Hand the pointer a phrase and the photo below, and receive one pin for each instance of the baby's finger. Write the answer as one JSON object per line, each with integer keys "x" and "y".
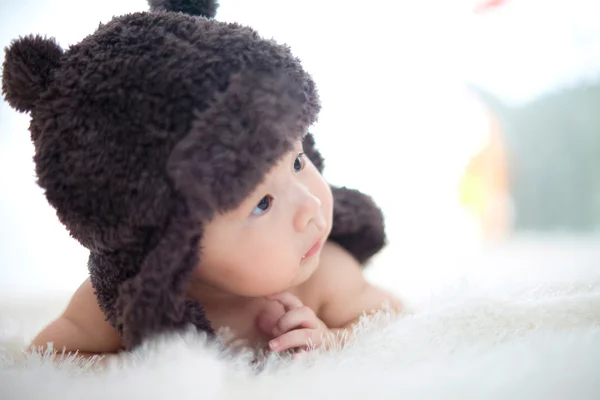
{"x": 239, "y": 345}
{"x": 303, "y": 317}
{"x": 265, "y": 321}
{"x": 298, "y": 356}
{"x": 288, "y": 300}
{"x": 297, "y": 338}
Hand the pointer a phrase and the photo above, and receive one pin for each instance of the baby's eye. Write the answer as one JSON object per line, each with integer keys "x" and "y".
{"x": 263, "y": 205}
{"x": 299, "y": 163}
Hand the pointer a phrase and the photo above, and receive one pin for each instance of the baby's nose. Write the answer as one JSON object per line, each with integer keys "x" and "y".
{"x": 309, "y": 210}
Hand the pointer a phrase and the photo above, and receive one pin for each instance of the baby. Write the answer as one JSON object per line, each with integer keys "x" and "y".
{"x": 268, "y": 272}
{"x": 176, "y": 149}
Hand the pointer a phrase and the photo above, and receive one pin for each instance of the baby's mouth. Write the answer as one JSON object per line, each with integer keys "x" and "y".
{"x": 313, "y": 250}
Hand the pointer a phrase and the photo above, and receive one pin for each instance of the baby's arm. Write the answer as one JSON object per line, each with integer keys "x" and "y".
{"x": 336, "y": 296}
{"x": 82, "y": 327}
{"x": 345, "y": 294}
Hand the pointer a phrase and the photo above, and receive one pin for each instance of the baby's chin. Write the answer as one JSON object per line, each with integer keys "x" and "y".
{"x": 307, "y": 268}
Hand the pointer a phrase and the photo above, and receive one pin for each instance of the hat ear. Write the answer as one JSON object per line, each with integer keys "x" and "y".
{"x": 201, "y": 8}
{"x": 26, "y": 71}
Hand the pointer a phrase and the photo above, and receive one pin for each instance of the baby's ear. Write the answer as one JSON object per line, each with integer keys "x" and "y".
{"x": 28, "y": 64}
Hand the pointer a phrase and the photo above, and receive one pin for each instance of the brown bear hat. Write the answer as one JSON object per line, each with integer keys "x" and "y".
{"x": 147, "y": 128}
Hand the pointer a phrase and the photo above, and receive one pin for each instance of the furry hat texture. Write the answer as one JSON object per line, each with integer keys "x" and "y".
{"x": 147, "y": 128}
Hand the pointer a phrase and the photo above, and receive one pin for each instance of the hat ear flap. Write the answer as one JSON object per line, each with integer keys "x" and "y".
{"x": 358, "y": 223}
{"x": 312, "y": 153}
{"x": 27, "y": 70}
{"x": 155, "y": 300}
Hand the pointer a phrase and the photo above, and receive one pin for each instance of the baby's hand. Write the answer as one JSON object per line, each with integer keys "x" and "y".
{"x": 298, "y": 327}
{"x": 231, "y": 341}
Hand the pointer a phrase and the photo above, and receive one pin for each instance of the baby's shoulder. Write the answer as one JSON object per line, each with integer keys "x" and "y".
{"x": 333, "y": 253}
{"x": 336, "y": 262}
{"x": 337, "y": 271}
{"x": 82, "y": 326}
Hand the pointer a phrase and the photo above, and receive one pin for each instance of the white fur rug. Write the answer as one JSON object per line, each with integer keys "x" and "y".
{"x": 519, "y": 324}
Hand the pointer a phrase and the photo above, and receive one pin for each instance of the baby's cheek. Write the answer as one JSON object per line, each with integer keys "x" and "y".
{"x": 266, "y": 271}
{"x": 327, "y": 202}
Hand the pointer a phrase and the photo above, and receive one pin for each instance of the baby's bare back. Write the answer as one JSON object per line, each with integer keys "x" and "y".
{"x": 82, "y": 327}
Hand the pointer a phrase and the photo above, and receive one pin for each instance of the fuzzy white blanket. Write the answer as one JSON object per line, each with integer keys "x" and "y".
{"x": 519, "y": 327}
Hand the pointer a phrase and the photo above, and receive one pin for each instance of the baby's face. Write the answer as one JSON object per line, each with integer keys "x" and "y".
{"x": 273, "y": 240}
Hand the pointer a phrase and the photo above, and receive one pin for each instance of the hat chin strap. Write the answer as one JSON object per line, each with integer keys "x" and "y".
{"x": 154, "y": 301}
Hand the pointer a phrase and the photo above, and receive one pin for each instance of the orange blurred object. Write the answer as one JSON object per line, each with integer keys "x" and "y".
{"x": 488, "y": 5}
{"x": 484, "y": 185}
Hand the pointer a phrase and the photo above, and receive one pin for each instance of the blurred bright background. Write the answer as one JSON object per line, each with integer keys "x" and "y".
{"x": 469, "y": 122}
